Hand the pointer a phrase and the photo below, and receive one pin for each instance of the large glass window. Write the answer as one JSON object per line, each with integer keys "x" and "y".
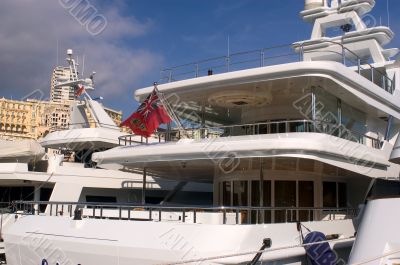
{"x": 288, "y": 194}
{"x": 240, "y": 193}
{"x": 353, "y": 119}
{"x": 9, "y": 194}
{"x": 326, "y": 108}
{"x": 342, "y": 195}
{"x": 306, "y": 200}
{"x": 261, "y": 216}
{"x": 240, "y": 198}
{"x": 285, "y": 196}
{"x": 334, "y": 194}
{"x": 226, "y": 193}
{"x": 329, "y": 194}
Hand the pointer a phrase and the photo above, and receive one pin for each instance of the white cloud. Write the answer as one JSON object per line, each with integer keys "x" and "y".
{"x": 31, "y": 29}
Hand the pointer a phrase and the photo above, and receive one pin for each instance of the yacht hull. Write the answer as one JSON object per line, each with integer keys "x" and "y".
{"x": 378, "y": 235}
{"x": 104, "y": 241}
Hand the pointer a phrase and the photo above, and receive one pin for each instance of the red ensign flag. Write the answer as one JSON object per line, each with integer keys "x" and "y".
{"x": 150, "y": 114}
{"x": 80, "y": 90}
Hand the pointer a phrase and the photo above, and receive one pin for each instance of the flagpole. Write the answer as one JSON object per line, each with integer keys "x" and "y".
{"x": 170, "y": 110}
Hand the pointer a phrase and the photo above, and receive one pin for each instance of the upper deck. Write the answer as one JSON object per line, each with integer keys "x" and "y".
{"x": 277, "y": 55}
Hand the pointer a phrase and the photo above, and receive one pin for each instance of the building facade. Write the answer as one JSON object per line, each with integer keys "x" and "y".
{"x": 33, "y": 119}
{"x": 64, "y": 93}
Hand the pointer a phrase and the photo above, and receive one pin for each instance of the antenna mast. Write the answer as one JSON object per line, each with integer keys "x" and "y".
{"x": 388, "y": 12}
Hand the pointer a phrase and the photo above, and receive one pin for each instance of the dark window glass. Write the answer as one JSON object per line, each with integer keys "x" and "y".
{"x": 45, "y": 194}
{"x": 153, "y": 200}
{"x": 257, "y": 216}
{"x": 263, "y": 129}
{"x": 329, "y": 194}
{"x": 285, "y": 196}
{"x": 278, "y": 126}
{"x": 240, "y": 196}
{"x": 306, "y": 200}
{"x": 226, "y": 193}
{"x": 342, "y": 195}
{"x": 255, "y": 193}
{"x": 107, "y": 199}
{"x": 297, "y": 127}
{"x": 240, "y": 193}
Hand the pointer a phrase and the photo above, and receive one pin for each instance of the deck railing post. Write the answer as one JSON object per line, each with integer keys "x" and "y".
{"x": 343, "y": 55}
{"x": 170, "y": 76}
{"x": 301, "y": 53}
{"x": 224, "y": 216}
{"x": 197, "y": 70}
{"x": 384, "y": 82}
{"x": 262, "y": 57}
{"x": 372, "y": 74}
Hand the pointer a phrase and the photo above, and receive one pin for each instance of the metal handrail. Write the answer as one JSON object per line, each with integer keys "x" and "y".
{"x": 72, "y": 208}
{"x": 169, "y": 74}
{"x": 344, "y": 48}
{"x": 67, "y": 126}
{"x": 308, "y": 126}
{"x": 128, "y": 139}
{"x": 225, "y": 56}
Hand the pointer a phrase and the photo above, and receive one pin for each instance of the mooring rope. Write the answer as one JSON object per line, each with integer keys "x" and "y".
{"x": 283, "y": 248}
{"x": 256, "y": 252}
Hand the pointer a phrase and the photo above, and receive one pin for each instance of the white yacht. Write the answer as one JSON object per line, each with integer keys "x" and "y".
{"x": 292, "y": 138}
{"x": 58, "y": 167}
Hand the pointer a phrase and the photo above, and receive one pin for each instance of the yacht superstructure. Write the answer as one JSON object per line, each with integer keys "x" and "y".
{"x": 290, "y": 147}
{"x": 59, "y": 166}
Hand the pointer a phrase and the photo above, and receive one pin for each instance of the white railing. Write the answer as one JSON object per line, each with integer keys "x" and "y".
{"x": 292, "y": 126}
{"x": 184, "y": 214}
{"x": 272, "y": 56}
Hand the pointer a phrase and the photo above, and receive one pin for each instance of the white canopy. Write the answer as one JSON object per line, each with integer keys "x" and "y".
{"x": 21, "y": 151}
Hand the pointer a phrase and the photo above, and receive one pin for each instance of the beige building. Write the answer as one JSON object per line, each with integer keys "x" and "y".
{"x": 33, "y": 119}
{"x": 63, "y": 93}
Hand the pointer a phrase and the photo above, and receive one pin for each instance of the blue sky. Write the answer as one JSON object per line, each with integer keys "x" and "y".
{"x": 142, "y": 36}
